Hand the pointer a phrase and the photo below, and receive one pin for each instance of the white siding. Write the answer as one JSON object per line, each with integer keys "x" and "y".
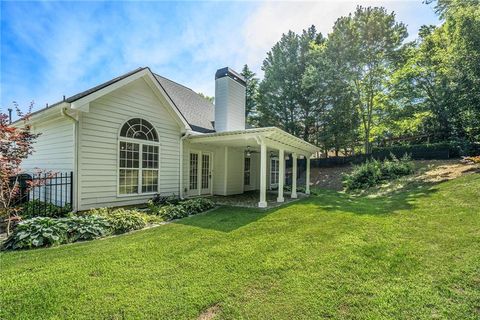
{"x": 54, "y": 148}
{"x": 98, "y": 145}
{"x": 235, "y": 171}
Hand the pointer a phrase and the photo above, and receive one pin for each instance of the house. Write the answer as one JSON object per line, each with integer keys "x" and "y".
{"x": 141, "y": 134}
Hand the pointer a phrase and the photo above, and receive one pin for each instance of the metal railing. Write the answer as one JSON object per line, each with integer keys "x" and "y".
{"x": 45, "y": 194}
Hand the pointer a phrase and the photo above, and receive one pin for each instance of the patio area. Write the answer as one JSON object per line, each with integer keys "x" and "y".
{"x": 249, "y": 199}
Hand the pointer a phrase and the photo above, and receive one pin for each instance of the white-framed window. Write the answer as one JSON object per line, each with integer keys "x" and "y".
{"x": 138, "y": 158}
{"x": 274, "y": 171}
{"x": 246, "y": 171}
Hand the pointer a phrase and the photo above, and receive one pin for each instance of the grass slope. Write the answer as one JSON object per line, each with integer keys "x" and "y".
{"x": 415, "y": 254}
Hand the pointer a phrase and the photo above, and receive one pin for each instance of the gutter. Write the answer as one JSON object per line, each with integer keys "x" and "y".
{"x": 63, "y": 112}
{"x": 187, "y": 134}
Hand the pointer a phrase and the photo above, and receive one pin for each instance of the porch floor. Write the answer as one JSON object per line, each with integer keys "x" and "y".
{"x": 250, "y": 199}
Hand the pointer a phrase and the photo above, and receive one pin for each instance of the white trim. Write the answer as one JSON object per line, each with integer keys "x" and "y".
{"x": 141, "y": 143}
{"x": 82, "y": 104}
{"x": 210, "y": 174}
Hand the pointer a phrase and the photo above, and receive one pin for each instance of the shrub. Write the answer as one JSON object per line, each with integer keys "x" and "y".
{"x": 170, "y": 211}
{"x": 37, "y": 232}
{"x": 87, "y": 227}
{"x": 37, "y": 208}
{"x": 182, "y": 209}
{"x": 363, "y": 176}
{"x": 161, "y": 200}
{"x": 374, "y": 172}
{"x": 122, "y": 220}
{"x": 194, "y": 206}
{"x": 392, "y": 169}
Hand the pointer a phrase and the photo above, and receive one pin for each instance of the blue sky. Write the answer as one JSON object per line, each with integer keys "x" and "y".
{"x": 50, "y": 49}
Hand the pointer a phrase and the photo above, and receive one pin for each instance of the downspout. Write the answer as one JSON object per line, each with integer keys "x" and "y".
{"x": 187, "y": 134}
{"x": 64, "y": 113}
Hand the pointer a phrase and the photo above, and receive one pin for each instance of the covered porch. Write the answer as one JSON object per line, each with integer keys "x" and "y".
{"x": 263, "y": 153}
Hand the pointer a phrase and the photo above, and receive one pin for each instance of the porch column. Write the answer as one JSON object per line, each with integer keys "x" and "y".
{"x": 294, "y": 175}
{"x": 263, "y": 175}
{"x": 307, "y": 176}
{"x": 281, "y": 174}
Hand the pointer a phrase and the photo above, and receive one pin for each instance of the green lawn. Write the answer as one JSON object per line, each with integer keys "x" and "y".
{"x": 415, "y": 254}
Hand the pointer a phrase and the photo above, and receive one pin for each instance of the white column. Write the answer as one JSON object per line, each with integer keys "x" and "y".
{"x": 281, "y": 174}
{"x": 294, "y": 175}
{"x": 263, "y": 175}
{"x": 307, "y": 176}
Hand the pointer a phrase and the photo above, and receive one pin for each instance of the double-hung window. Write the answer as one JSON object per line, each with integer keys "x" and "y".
{"x": 139, "y": 158}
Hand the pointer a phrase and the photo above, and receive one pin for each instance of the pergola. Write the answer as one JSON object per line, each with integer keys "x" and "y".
{"x": 265, "y": 140}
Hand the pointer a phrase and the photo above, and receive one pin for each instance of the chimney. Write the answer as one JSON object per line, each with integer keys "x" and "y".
{"x": 229, "y": 100}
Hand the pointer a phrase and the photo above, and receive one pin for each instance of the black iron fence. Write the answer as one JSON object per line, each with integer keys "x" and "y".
{"x": 45, "y": 194}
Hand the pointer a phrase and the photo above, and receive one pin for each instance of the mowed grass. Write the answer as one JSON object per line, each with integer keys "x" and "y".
{"x": 411, "y": 255}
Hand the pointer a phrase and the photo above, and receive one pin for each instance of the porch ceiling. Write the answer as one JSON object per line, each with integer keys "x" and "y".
{"x": 273, "y": 137}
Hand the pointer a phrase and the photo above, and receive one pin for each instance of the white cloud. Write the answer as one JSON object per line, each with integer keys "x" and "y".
{"x": 93, "y": 45}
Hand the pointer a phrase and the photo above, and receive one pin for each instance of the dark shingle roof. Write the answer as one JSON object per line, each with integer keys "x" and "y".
{"x": 101, "y": 86}
{"x": 197, "y": 111}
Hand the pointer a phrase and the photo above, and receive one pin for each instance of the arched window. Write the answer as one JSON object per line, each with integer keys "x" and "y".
{"x": 138, "y": 158}
{"x": 139, "y": 129}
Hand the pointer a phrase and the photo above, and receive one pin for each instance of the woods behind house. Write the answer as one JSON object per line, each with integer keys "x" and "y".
{"x": 365, "y": 85}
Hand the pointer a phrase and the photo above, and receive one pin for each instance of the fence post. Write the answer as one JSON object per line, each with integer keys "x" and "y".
{"x": 71, "y": 189}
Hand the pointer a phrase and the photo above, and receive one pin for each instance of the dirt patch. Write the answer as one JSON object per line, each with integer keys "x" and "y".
{"x": 329, "y": 178}
{"x": 209, "y": 313}
{"x": 446, "y": 170}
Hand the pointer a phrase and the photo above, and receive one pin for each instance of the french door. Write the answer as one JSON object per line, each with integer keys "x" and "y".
{"x": 200, "y": 173}
{"x": 206, "y": 173}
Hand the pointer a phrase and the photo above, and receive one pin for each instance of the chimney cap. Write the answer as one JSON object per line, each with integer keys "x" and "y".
{"x": 227, "y": 72}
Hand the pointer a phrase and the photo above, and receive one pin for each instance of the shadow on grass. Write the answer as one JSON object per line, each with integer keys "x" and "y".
{"x": 227, "y": 219}
{"x": 404, "y": 199}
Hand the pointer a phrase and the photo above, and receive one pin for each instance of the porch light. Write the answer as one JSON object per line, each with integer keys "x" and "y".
{"x": 248, "y": 153}
{"x": 287, "y": 157}
{"x": 302, "y": 156}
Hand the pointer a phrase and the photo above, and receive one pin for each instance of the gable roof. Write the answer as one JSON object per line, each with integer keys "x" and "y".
{"x": 196, "y": 110}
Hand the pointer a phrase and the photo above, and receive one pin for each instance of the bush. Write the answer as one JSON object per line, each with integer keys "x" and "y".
{"x": 161, "y": 200}
{"x": 37, "y": 232}
{"x": 374, "y": 172}
{"x": 37, "y": 208}
{"x": 170, "y": 212}
{"x": 122, "y": 220}
{"x": 182, "y": 209}
{"x": 87, "y": 227}
{"x": 194, "y": 206}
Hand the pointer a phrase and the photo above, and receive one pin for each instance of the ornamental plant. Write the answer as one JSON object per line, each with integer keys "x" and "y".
{"x": 37, "y": 232}
{"x": 16, "y": 144}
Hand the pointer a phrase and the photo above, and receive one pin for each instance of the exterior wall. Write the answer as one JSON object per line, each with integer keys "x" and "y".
{"x": 229, "y": 105}
{"x": 98, "y": 145}
{"x": 227, "y": 169}
{"x": 54, "y": 148}
{"x": 53, "y": 152}
{"x": 235, "y": 171}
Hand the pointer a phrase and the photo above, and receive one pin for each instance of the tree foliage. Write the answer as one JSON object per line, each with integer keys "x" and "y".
{"x": 251, "y": 113}
{"x": 365, "y": 82}
{"x": 16, "y": 144}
